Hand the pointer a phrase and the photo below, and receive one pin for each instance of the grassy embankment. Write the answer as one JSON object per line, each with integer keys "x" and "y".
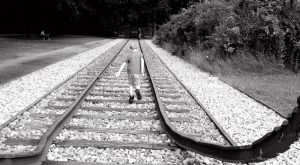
{"x": 266, "y": 81}
{"x": 222, "y": 37}
{"x": 20, "y": 55}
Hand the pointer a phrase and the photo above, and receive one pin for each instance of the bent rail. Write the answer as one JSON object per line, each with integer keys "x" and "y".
{"x": 269, "y": 146}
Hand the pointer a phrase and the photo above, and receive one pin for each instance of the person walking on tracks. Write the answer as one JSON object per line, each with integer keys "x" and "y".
{"x": 135, "y": 69}
{"x": 139, "y": 34}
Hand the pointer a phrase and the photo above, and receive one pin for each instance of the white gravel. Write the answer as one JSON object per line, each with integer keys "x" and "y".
{"x": 4, "y": 149}
{"x": 119, "y": 105}
{"x": 26, "y": 126}
{"x": 114, "y": 156}
{"x": 150, "y": 125}
{"x": 116, "y": 113}
{"x": 204, "y": 128}
{"x": 66, "y": 135}
{"x": 133, "y": 156}
{"x": 19, "y": 93}
{"x": 244, "y": 119}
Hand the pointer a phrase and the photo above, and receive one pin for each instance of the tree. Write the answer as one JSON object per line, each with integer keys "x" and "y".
{"x": 85, "y": 16}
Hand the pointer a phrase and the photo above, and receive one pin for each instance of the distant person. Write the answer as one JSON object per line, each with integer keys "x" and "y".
{"x": 44, "y": 35}
{"x": 139, "y": 34}
{"x": 135, "y": 69}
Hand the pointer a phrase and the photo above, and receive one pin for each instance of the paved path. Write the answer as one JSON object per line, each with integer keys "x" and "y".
{"x": 14, "y": 68}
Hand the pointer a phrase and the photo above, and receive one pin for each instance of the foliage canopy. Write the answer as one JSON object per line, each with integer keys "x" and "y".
{"x": 260, "y": 27}
{"x": 84, "y": 16}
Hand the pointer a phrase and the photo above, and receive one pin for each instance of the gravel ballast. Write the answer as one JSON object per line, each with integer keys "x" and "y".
{"x": 243, "y": 118}
{"x": 19, "y": 93}
{"x": 200, "y": 124}
{"x": 32, "y": 124}
{"x": 114, "y": 156}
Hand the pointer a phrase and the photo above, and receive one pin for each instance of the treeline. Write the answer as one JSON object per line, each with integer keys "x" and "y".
{"x": 268, "y": 29}
{"x": 84, "y": 16}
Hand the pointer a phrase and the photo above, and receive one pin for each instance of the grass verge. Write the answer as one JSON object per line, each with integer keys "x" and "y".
{"x": 263, "y": 79}
{"x": 20, "y": 56}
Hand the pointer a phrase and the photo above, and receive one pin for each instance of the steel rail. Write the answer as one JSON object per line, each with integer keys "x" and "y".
{"x": 218, "y": 125}
{"x": 268, "y": 146}
{"x": 44, "y": 96}
{"x": 38, "y": 155}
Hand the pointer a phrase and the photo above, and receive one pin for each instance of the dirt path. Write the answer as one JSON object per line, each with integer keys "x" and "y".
{"x": 17, "y": 67}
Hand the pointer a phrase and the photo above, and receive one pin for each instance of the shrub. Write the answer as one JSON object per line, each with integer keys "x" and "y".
{"x": 227, "y": 38}
{"x": 263, "y": 28}
{"x": 192, "y": 26}
{"x": 270, "y": 27}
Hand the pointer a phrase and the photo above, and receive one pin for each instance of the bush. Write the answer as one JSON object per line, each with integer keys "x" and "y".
{"x": 227, "y": 38}
{"x": 264, "y": 28}
{"x": 192, "y": 26}
{"x": 260, "y": 26}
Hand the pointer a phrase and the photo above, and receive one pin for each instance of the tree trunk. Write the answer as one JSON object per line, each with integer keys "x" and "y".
{"x": 154, "y": 24}
{"x": 153, "y": 28}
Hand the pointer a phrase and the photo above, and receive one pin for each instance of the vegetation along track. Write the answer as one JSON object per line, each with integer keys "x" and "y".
{"x": 90, "y": 120}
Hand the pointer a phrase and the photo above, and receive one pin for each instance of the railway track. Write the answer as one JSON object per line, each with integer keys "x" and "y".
{"x": 89, "y": 119}
{"x": 268, "y": 146}
{"x": 18, "y": 133}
